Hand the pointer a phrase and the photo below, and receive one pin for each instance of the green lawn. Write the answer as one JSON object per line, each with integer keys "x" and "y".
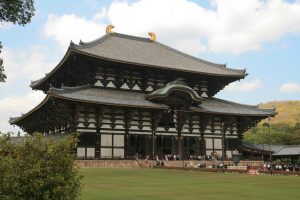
{"x": 142, "y": 184}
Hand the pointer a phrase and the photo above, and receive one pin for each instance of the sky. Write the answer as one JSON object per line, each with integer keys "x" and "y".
{"x": 262, "y": 37}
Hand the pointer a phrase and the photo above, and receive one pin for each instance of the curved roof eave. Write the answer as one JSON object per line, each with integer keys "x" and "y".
{"x": 36, "y": 83}
{"x": 83, "y": 45}
{"x": 108, "y": 104}
{"x": 235, "y": 114}
{"x": 77, "y": 48}
{"x": 86, "y": 45}
{"x": 242, "y": 72}
{"x": 41, "y": 80}
{"x": 50, "y": 94}
{"x": 17, "y": 119}
{"x": 267, "y": 112}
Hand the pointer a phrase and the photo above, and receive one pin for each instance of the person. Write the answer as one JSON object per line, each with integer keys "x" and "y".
{"x": 136, "y": 156}
{"x": 157, "y": 160}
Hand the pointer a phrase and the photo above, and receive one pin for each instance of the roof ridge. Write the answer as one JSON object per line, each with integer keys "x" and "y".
{"x": 91, "y": 43}
{"x": 106, "y": 36}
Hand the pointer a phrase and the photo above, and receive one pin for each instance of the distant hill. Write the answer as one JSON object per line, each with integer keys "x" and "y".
{"x": 285, "y": 126}
{"x": 288, "y": 112}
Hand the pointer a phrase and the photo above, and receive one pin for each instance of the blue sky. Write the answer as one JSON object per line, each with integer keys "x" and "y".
{"x": 261, "y": 36}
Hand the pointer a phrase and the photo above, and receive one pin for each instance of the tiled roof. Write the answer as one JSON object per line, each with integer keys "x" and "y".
{"x": 288, "y": 151}
{"x": 214, "y": 105}
{"x": 143, "y": 51}
{"x": 262, "y": 147}
{"x": 123, "y": 98}
{"x": 137, "y": 99}
{"x": 106, "y": 97}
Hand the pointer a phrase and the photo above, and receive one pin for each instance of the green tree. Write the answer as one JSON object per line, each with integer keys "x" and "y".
{"x": 14, "y": 11}
{"x": 38, "y": 167}
{"x": 296, "y": 134}
{"x": 2, "y": 75}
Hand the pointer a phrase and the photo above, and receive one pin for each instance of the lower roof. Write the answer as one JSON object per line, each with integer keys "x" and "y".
{"x": 262, "y": 147}
{"x": 112, "y": 97}
{"x": 288, "y": 151}
{"x": 276, "y": 150}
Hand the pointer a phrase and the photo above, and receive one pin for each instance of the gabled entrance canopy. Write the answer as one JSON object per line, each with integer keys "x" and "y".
{"x": 175, "y": 94}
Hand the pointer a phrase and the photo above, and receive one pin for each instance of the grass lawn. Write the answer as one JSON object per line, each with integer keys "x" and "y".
{"x": 142, "y": 184}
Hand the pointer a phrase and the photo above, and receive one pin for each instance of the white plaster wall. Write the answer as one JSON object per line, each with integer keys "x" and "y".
{"x": 118, "y": 140}
{"x": 106, "y": 140}
{"x": 90, "y": 152}
{"x": 118, "y": 152}
{"x": 218, "y": 143}
{"x": 209, "y": 142}
{"x": 80, "y": 152}
{"x": 106, "y": 152}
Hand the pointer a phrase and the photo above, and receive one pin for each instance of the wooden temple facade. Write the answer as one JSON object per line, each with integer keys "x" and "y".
{"x": 126, "y": 95}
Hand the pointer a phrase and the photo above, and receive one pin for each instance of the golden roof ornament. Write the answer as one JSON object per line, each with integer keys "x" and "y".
{"x": 109, "y": 29}
{"x": 152, "y": 36}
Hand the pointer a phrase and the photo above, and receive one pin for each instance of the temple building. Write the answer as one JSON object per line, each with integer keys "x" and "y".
{"x": 126, "y": 95}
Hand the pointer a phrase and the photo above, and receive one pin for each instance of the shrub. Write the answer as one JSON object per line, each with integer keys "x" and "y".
{"x": 38, "y": 167}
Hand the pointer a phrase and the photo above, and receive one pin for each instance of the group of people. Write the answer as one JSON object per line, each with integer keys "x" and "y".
{"x": 281, "y": 167}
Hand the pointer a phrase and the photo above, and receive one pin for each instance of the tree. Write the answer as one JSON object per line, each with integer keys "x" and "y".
{"x": 2, "y": 75}
{"x": 38, "y": 167}
{"x": 14, "y": 11}
{"x": 296, "y": 134}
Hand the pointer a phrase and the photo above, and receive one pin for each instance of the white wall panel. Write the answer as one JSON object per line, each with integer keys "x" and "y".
{"x": 106, "y": 140}
{"x": 118, "y": 140}
{"x": 106, "y": 152}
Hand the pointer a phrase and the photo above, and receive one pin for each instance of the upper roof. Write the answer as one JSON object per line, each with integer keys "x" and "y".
{"x": 88, "y": 94}
{"x": 144, "y": 52}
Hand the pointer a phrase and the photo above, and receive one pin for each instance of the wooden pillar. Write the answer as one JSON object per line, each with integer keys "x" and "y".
{"x": 180, "y": 122}
{"x": 179, "y": 143}
{"x": 128, "y": 118}
{"x": 148, "y": 143}
{"x": 99, "y": 117}
{"x": 135, "y": 142}
{"x": 197, "y": 149}
{"x": 162, "y": 145}
{"x": 203, "y": 125}
{"x": 154, "y": 123}
{"x": 153, "y": 143}
{"x": 174, "y": 145}
{"x": 98, "y": 143}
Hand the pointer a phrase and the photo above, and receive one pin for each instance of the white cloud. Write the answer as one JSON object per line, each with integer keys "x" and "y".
{"x": 30, "y": 64}
{"x": 5, "y": 25}
{"x": 244, "y": 86}
{"x": 16, "y": 105}
{"x": 71, "y": 27}
{"x": 232, "y": 26}
{"x": 290, "y": 88}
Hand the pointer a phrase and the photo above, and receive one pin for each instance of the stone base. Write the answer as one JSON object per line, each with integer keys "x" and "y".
{"x": 107, "y": 164}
